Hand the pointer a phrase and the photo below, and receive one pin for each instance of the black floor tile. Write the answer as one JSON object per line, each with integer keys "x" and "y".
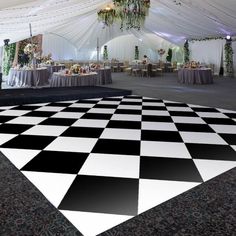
{"x": 58, "y": 121}
{"x": 58, "y": 104}
{"x": 83, "y": 132}
{"x": 183, "y": 113}
{"x": 112, "y": 99}
{"x": 194, "y": 128}
{"x": 170, "y": 104}
{"x": 103, "y": 195}
{"x": 14, "y": 128}
{"x": 229, "y": 138}
{"x": 76, "y": 109}
{"x": 97, "y": 116}
{"x": 131, "y": 103}
{"x": 211, "y": 152}
{"x": 155, "y": 108}
{"x": 40, "y": 113}
{"x": 4, "y": 119}
{"x": 163, "y": 136}
{"x": 219, "y": 121}
{"x": 204, "y": 109}
{"x": 22, "y": 107}
{"x": 29, "y": 142}
{"x": 152, "y": 100}
{"x": 57, "y": 162}
{"x": 124, "y": 124}
{"x": 128, "y": 112}
{"x": 231, "y": 115}
{"x": 106, "y": 106}
{"x": 169, "y": 169}
{"x": 111, "y": 146}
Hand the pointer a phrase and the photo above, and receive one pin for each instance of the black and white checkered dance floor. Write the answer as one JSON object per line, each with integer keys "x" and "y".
{"x": 103, "y": 161}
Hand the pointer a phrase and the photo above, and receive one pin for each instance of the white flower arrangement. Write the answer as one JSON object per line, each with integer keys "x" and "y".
{"x": 75, "y": 68}
{"x": 30, "y": 48}
{"x": 49, "y": 62}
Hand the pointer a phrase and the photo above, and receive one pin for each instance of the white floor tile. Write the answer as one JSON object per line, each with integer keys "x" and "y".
{"x": 125, "y": 134}
{"x": 224, "y": 129}
{"x": 92, "y": 224}
{"x": 234, "y": 147}
{"x": 164, "y": 149}
{"x": 159, "y": 126}
{"x": 91, "y": 123}
{"x": 188, "y": 120}
{"x": 210, "y": 169}
{"x": 68, "y": 115}
{"x": 130, "y": 107}
{"x": 102, "y": 111}
{"x": 19, "y": 157}
{"x": 109, "y": 102}
{"x": 50, "y": 108}
{"x": 111, "y": 165}
{"x": 14, "y": 112}
{"x": 53, "y": 186}
{"x": 207, "y": 138}
{"x": 46, "y": 130}
{"x": 6, "y": 107}
{"x": 155, "y": 113}
{"x": 169, "y": 108}
{"x": 83, "y": 105}
{"x": 155, "y": 192}
{"x": 27, "y": 120}
{"x": 37, "y": 104}
{"x": 211, "y": 115}
{"x": 127, "y": 117}
{"x": 69, "y": 144}
{"x": 225, "y": 110}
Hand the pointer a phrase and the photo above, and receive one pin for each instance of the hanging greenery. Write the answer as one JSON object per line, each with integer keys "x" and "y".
{"x": 8, "y": 57}
{"x": 186, "y": 52}
{"x": 131, "y": 14}
{"x": 169, "y": 56}
{"x": 229, "y": 59}
{"x": 136, "y": 55}
{"x": 105, "y": 53}
{"x": 204, "y": 39}
{"x": 107, "y": 16}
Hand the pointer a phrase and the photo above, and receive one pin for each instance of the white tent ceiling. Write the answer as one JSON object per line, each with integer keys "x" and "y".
{"x": 76, "y": 20}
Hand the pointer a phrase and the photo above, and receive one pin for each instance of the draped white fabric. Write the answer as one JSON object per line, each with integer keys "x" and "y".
{"x": 59, "y": 47}
{"x": 123, "y": 48}
{"x": 208, "y": 52}
{"x": 76, "y": 20}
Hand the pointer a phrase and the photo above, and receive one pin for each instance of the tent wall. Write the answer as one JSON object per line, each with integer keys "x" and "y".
{"x": 208, "y": 52}
{"x": 60, "y": 47}
{"x": 123, "y": 48}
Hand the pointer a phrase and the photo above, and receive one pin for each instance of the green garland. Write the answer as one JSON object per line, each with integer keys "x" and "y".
{"x": 136, "y": 55}
{"x": 8, "y": 57}
{"x": 105, "y": 53}
{"x": 229, "y": 59}
{"x": 204, "y": 39}
{"x": 186, "y": 52}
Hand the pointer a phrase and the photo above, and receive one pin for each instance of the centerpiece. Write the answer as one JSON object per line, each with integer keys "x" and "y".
{"x": 161, "y": 52}
{"x": 75, "y": 69}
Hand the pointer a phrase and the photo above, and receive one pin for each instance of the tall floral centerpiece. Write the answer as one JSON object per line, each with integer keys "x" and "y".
{"x": 229, "y": 59}
{"x": 105, "y": 53}
{"x": 161, "y": 52}
{"x": 136, "y": 53}
{"x": 30, "y": 50}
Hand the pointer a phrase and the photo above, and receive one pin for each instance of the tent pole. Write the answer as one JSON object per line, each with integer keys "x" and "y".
{"x": 97, "y": 50}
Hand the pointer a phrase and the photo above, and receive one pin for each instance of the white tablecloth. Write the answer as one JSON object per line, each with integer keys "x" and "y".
{"x": 61, "y": 80}
{"x": 28, "y": 78}
{"x": 56, "y": 68}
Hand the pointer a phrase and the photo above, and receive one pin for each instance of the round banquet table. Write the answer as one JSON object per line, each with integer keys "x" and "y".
{"x": 28, "y": 77}
{"x": 104, "y": 76}
{"x": 195, "y": 76}
{"x": 63, "y": 80}
{"x": 51, "y": 69}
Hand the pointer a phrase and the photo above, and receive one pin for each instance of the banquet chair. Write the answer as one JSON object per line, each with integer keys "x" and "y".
{"x": 136, "y": 70}
{"x": 144, "y": 70}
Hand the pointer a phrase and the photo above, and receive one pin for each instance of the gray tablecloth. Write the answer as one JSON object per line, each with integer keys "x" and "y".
{"x": 104, "y": 76}
{"x": 56, "y": 68}
{"x": 195, "y": 76}
{"x": 60, "y": 80}
{"x": 28, "y": 78}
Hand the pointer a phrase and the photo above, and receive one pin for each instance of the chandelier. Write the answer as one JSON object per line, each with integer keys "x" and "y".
{"x": 129, "y": 13}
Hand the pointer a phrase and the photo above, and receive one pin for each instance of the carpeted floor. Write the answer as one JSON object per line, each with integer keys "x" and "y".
{"x": 221, "y": 94}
